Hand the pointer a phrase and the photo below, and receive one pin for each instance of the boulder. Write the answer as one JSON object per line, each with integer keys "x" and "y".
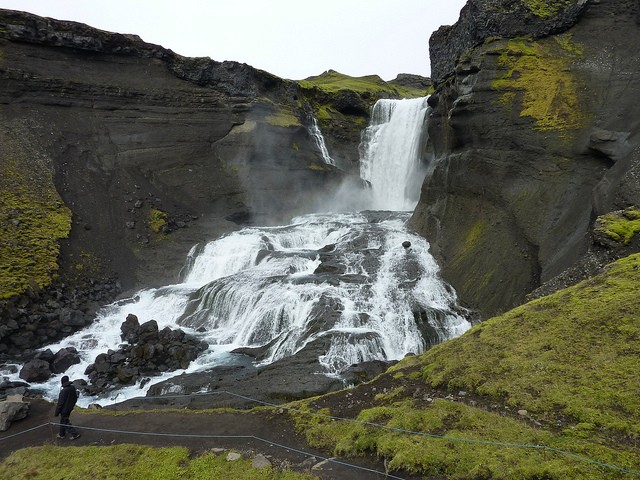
{"x": 63, "y": 359}
{"x": 35, "y": 371}
{"x": 130, "y": 329}
{"x": 10, "y": 412}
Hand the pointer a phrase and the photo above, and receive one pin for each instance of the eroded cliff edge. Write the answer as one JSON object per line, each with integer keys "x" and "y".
{"x": 533, "y": 134}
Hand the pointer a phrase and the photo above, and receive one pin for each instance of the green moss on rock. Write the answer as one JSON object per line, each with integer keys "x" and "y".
{"x": 547, "y": 8}
{"x": 617, "y": 227}
{"x": 283, "y": 119}
{"x": 539, "y": 71}
{"x": 157, "y": 220}
{"x": 33, "y": 219}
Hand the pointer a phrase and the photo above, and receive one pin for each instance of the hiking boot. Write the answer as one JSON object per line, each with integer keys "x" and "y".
{"x": 74, "y": 436}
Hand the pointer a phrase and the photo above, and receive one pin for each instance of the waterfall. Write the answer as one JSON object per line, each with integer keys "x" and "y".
{"x": 390, "y": 153}
{"x": 315, "y": 132}
{"x": 349, "y": 280}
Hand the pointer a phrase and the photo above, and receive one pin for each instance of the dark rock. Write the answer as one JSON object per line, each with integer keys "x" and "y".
{"x": 35, "y": 371}
{"x": 73, "y": 318}
{"x": 485, "y": 19}
{"x": 46, "y": 355}
{"x": 148, "y": 352}
{"x": 130, "y": 329}
{"x": 63, "y": 359}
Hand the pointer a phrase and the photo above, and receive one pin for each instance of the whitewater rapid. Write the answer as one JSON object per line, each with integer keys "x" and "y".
{"x": 361, "y": 280}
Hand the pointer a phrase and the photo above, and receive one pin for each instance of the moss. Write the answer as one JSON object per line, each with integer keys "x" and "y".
{"x": 157, "y": 220}
{"x": 283, "y": 118}
{"x": 319, "y": 168}
{"x": 367, "y": 86}
{"x": 131, "y": 462}
{"x": 547, "y": 8}
{"x": 540, "y": 72}
{"x": 620, "y": 226}
{"x": 452, "y": 440}
{"x": 33, "y": 219}
{"x": 572, "y": 355}
{"x": 472, "y": 241}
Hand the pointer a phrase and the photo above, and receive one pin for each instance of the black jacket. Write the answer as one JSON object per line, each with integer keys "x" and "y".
{"x": 66, "y": 399}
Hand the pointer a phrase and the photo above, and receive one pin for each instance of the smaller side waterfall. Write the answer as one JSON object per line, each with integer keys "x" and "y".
{"x": 315, "y": 132}
{"x": 390, "y": 153}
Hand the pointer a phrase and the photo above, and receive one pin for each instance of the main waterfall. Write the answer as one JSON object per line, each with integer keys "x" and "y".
{"x": 358, "y": 282}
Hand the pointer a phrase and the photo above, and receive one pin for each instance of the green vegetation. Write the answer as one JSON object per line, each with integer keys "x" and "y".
{"x": 547, "y": 8}
{"x": 283, "y": 119}
{"x": 568, "y": 361}
{"x": 619, "y": 226}
{"x": 540, "y": 70}
{"x": 32, "y": 221}
{"x": 367, "y": 86}
{"x": 157, "y": 220}
{"x": 131, "y": 462}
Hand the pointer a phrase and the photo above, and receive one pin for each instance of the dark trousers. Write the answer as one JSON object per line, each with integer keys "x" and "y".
{"x": 65, "y": 425}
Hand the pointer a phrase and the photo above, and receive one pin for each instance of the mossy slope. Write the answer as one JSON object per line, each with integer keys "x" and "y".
{"x": 369, "y": 85}
{"x": 33, "y": 219}
{"x": 568, "y": 363}
{"x": 131, "y": 462}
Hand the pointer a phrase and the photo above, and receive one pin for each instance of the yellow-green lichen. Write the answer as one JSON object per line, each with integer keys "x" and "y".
{"x": 33, "y": 219}
{"x": 539, "y": 74}
{"x": 472, "y": 240}
{"x": 619, "y": 226}
{"x": 157, "y": 220}
{"x": 282, "y": 119}
{"x": 547, "y": 8}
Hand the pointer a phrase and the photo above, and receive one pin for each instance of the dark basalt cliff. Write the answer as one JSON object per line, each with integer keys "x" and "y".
{"x": 117, "y": 156}
{"x": 533, "y": 134}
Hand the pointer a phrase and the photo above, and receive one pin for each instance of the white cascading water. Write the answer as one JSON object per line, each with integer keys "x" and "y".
{"x": 317, "y": 136}
{"x": 345, "y": 279}
{"x": 390, "y": 158}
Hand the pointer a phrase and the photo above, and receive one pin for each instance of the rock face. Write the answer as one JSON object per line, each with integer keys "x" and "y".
{"x": 533, "y": 134}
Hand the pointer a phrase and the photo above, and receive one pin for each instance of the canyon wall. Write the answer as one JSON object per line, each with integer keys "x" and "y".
{"x": 533, "y": 134}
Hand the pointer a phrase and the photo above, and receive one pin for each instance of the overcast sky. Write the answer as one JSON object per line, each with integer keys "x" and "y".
{"x": 293, "y": 39}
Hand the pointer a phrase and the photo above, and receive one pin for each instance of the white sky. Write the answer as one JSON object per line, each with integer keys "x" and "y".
{"x": 290, "y": 38}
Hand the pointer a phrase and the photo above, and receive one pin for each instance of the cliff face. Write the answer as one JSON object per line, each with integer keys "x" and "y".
{"x": 534, "y": 132}
{"x": 141, "y": 143}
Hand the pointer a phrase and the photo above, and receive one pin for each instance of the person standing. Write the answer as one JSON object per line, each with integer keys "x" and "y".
{"x": 66, "y": 401}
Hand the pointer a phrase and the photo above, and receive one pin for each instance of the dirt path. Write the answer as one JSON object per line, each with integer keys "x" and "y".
{"x": 268, "y": 433}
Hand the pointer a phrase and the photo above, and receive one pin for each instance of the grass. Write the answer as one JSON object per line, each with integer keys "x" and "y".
{"x": 33, "y": 219}
{"x": 571, "y": 360}
{"x": 367, "y": 86}
{"x": 131, "y": 462}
